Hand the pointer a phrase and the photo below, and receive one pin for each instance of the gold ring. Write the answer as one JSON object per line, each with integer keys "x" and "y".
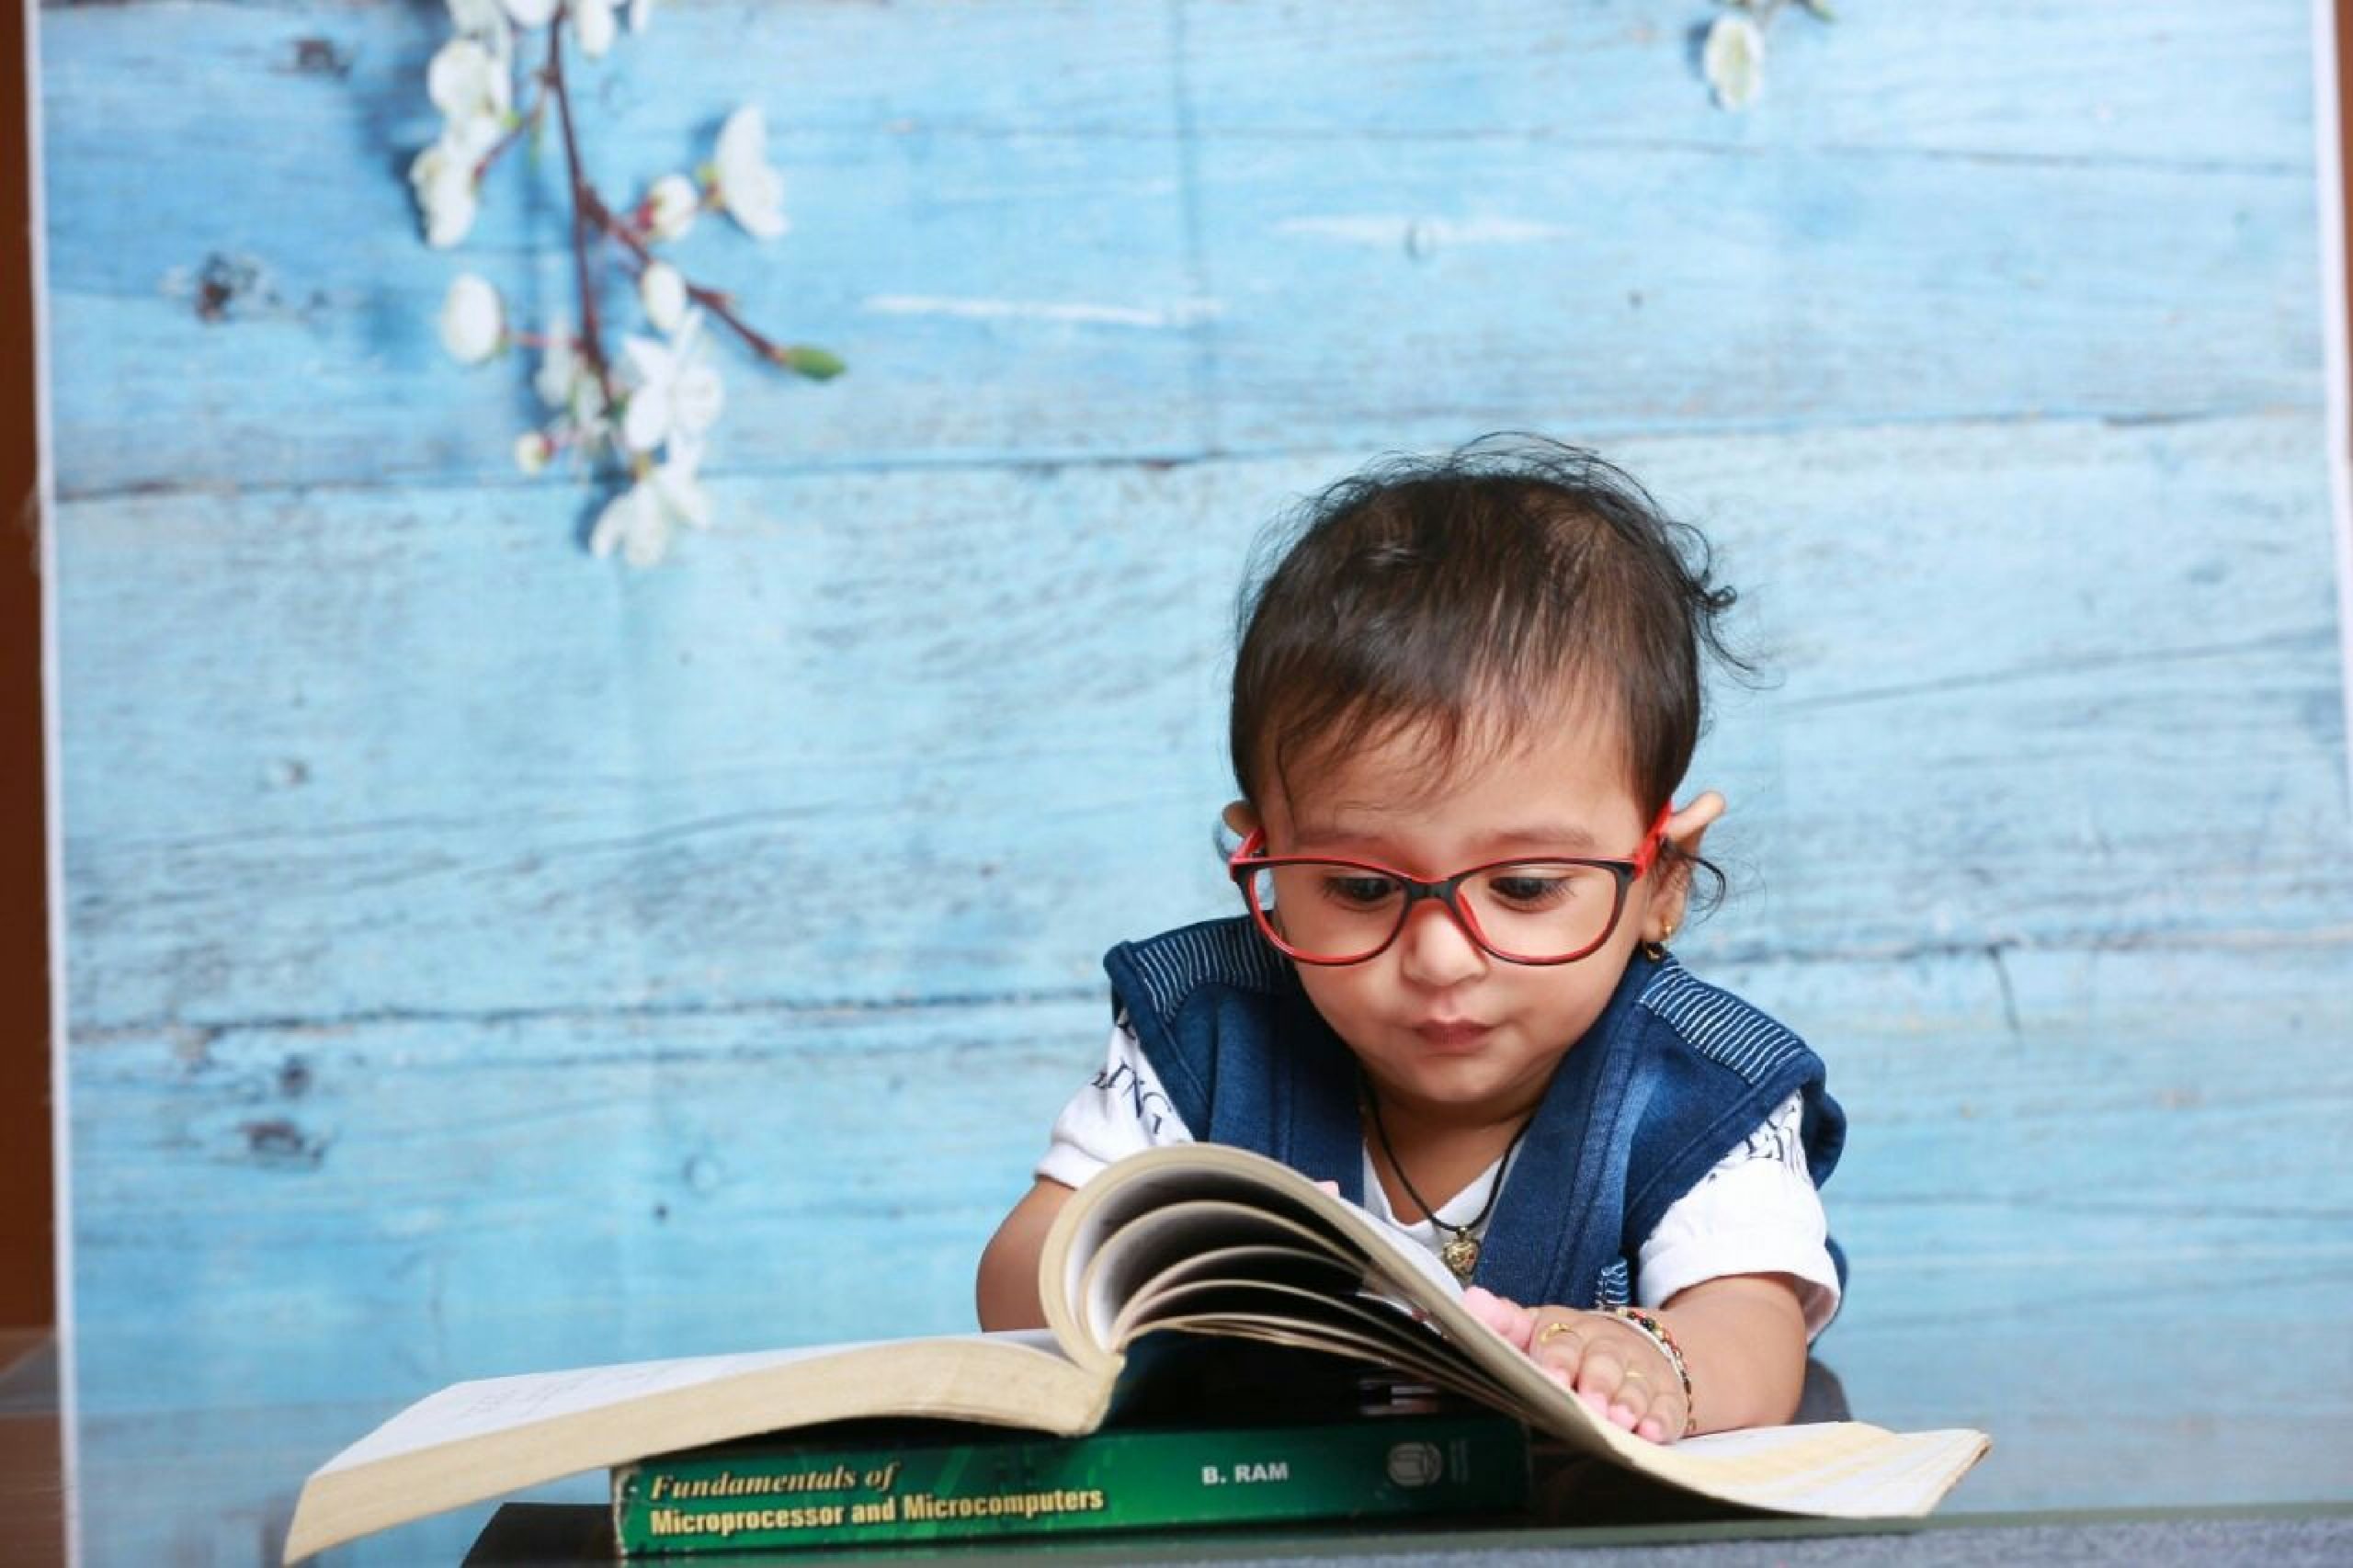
{"x": 1558, "y": 1326}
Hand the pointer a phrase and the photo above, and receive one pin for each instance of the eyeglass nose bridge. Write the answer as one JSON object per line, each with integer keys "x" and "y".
{"x": 1446, "y": 894}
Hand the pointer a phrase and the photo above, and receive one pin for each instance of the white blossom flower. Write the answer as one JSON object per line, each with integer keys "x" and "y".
{"x": 1735, "y": 60}
{"x": 746, "y": 185}
{"x": 559, "y": 365}
{"x": 632, "y": 523}
{"x": 592, "y": 21}
{"x": 669, "y": 208}
{"x": 675, "y": 485}
{"x": 530, "y": 13}
{"x": 662, "y": 290}
{"x": 533, "y": 452}
{"x": 567, "y": 382}
{"x": 443, "y": 178}
{"x": 486, "y": 20}
{"x": 466, "y": 82}
{"x": 473, "y": 322}
{"x": 640, "y": 13}
{"x": 675, "y": 393}
{"x": 639, "y": 521}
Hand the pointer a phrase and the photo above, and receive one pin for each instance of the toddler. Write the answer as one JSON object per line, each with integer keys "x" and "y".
{"x": 1462, "y": 700}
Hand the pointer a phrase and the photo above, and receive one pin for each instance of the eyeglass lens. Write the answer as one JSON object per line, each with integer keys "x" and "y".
{"x": 1539, "y": 910}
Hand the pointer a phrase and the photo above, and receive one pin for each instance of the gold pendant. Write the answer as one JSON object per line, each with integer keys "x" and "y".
{"x": 1460, "y": 1254}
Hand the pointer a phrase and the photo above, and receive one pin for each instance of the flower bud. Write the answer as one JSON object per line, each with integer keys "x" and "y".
{"x": 533, "y": 452}
{"x": 443, "y": 178}
{"x": 817, "y": 364}
{"x": 473, "y": 322}
{"x": 467, "y": 83}
{"x": 664, "y": 293}
{"x": 1733, "y": 61}
{"x": 594, "y": 21}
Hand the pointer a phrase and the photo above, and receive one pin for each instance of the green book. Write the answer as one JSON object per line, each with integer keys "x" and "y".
{"x": 969, "y": 1486}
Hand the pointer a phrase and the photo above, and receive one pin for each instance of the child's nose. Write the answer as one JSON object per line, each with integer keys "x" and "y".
{"x": 1436, "y": 950}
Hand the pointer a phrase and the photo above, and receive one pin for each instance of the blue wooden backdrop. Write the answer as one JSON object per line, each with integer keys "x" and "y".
{"x": 485, "y": 958}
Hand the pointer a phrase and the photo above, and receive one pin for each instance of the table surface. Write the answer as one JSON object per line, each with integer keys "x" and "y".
{"x": 572, "y": 1530}
{"x": 559, "y": 1535}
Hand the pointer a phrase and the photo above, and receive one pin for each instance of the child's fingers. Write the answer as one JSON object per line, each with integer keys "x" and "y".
{"x": 1505, "y": 1316}
{"x": 1620, "y": 1375}
{"x": 1556, "y": 1342}
{"x": 1630, "y": 1382}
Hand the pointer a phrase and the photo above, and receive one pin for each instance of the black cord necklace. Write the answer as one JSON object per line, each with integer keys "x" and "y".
{"x": 1459, "y": 1251}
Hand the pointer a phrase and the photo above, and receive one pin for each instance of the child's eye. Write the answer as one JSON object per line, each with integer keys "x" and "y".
{"x": 1359, "y": 891}
{"x": 1531, "y": 891}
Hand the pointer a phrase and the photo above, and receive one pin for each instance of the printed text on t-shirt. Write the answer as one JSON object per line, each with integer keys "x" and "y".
{"x": 1123, "y": 1079}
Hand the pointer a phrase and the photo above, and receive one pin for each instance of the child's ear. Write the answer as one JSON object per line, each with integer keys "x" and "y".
{"x": 1688, "y": 826}
{"x": 1685, "y": 829}
{"x": 1241, "y": 818}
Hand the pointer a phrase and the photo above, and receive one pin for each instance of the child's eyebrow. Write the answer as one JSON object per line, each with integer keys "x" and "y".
{"x": 1541, "y": 836}
{"x": 1562, "y": 836}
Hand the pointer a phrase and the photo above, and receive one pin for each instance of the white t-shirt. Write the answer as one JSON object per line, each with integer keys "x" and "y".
{"x": 1757, "y": 1213}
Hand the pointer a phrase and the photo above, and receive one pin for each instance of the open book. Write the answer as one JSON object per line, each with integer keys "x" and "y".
{"x": 1196, "y": 1238}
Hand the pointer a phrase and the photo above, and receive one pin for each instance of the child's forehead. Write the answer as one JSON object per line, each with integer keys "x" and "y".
{"x": 1567, "y": 748}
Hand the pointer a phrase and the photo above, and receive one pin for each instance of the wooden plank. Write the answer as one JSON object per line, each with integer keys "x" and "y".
{"x": 417, "y": 759}
{"x": 405, "y": 1175}
{"x": 2077, "y": 81}
{"x": 1639, "y": 291}
{"x": 1113, "y": 271}
{"x": 2171, "y": 82}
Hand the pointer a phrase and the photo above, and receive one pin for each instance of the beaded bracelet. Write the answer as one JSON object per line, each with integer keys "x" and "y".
{"x": 1656, "y": 1333}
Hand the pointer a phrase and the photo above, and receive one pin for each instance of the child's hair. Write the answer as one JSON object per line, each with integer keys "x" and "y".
{"x": 1461, "y": 597}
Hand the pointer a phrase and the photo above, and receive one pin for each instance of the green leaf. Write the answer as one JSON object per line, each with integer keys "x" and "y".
{"x": 1821, "y": 8}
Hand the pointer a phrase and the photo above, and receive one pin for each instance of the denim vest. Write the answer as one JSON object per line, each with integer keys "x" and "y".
{"x": 1672, "y": 1077}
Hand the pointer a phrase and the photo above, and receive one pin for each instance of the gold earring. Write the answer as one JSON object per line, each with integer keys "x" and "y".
{"x": 1656, "y": 951}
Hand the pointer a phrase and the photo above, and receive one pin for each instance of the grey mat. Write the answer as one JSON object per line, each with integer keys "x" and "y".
{"x": 527, "y": 1535}
{"x": 2288, "y": 1542}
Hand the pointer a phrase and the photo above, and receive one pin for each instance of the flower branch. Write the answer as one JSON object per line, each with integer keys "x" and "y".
{"x": 644, "y": 413}
{"x": 816, "y": 363}
{"x": 591, "y": 339}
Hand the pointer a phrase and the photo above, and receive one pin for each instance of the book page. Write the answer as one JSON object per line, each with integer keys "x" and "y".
{"x": 1176, "y": 1234}
{"x": 1842, "y": 1470}
{"x": 1839, "y": 1470}
{"x": 1272, "y": 1264}
{"x": 497, "y": 1404}
{"x": 1079, "y": 1309}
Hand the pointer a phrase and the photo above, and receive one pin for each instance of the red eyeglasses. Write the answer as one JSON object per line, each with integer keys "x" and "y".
{"x": 1546, "y": 910}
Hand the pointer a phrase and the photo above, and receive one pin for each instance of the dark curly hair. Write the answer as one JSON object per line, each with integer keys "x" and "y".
{"x": 1461, "y": 597}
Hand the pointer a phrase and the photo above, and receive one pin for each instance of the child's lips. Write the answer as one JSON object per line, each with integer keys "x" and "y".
{"x": 1452, "y": 1034}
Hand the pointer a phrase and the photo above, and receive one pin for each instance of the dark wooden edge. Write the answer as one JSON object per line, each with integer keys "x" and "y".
{"x": 28, "y": 1254}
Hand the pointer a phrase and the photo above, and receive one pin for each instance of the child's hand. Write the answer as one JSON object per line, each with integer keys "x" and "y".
{"x": 1605, "y": 1361}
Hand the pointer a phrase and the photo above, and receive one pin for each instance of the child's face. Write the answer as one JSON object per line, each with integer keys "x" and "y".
{"x": 1440, "y": 1024}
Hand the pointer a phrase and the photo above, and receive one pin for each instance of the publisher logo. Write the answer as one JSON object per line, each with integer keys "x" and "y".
{"x": 1415, "y": 1464}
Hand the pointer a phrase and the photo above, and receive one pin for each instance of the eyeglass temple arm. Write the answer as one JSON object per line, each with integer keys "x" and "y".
{"x": 1654, "y": 841}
